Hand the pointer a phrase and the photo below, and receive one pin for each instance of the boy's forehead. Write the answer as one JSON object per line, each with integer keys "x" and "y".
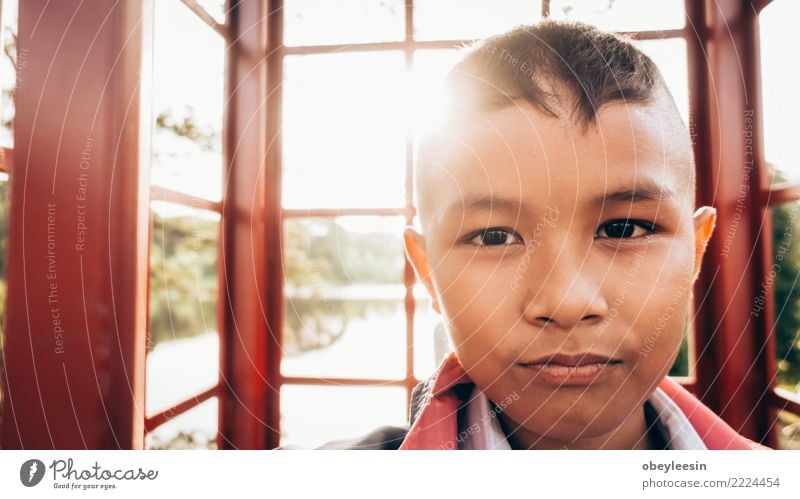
{"x": 619, "y": 129}
{"x": 518, "y": 152}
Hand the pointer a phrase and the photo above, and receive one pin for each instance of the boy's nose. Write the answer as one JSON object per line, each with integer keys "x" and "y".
{"x": 567, "y": 296}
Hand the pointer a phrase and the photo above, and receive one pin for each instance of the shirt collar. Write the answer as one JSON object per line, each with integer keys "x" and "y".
{"x": 481, "y": 428}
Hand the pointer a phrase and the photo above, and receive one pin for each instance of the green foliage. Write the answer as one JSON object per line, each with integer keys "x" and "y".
{"x": 786, "y": 259}
{"x": 184, "y": 441}
{"x": 188, "y": 128}
{"x": 681, "y": 365}
{"x": 318, "y": 322}
{"x": 8, "y": 92}
{"x": 320, "y": 251}
{"x": 787, "y": 292}
{"x": 183, "y": 277}
{"x": 183, "y": 257}
{"x": 321, "y": 256}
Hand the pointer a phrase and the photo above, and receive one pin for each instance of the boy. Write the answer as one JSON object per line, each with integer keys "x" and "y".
{"x": 558, "y": 244}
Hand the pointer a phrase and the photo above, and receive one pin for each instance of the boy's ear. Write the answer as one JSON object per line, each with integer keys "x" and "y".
{"x": 415, "y": 251}
{"x": 704, "y": 222}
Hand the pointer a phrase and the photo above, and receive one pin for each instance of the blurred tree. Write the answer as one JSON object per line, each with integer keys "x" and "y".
{"x": 183, "y": 277}
{"x": 183, "y": 441}
{"x": 6, "y": 122}
{"x": 7, "y": 98}
{"x": 786, "y": 255}
{"x": 321, "y": 258}
{"x": 681, "y": 365}
{"x": 187, "y": 127}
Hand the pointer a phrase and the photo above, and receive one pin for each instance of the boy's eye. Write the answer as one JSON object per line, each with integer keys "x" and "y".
{"x": 494, "y": 237}
{"x": 625, "y": 229}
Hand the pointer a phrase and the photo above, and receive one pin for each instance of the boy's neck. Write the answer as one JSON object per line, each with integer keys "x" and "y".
{"x": 631, "y": 434}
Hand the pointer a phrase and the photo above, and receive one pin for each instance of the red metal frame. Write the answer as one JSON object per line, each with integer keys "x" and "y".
{"x": 158, "y": 193}
{"x": 274, "y": 223}
{"x": 781, "y": 193}
{"x": 773, "y": 195}
{"x": 206, "y": 17}
{"x": 245, "y": 289}
{"x": 84, "y": 388}
{"x": 154, "y": 421}
{"x": 784, "y": 400}
{"x": 735, "y": 364}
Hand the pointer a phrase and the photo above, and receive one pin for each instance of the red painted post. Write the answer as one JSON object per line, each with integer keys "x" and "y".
{"x": 78, "y": 228}
{"x": 248, "y": 391}
{"x": 733, "y": 342}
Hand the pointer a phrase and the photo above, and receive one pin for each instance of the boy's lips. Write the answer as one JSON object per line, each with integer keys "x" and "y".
{"x": 572, "y": 370}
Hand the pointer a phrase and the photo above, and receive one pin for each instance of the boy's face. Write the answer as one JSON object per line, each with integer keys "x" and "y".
{"x": 549, "y": 295}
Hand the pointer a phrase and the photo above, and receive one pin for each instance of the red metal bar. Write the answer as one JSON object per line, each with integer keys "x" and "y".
{"x": 409, "y": 21}
{"x": 785, "y": 400}
{"x": 162, "y": 417}
{"x": 6, "y": 159}
{"x": 158, "y": 193}
{"x": 781, "y": 193}
{"x": 758, "y": 5}
{"x": 440, "y": 44}
{"x": 272, "y": 221}
{"x": 657, "y": 34}
{"x": 206, "y": 17}
{"x": 373, "y": 47}
{"x": 78, "y": 228}
{"x": 347, "y": 212}
{"x": 301, "y": 380}
{"x": 698, "y": 81}
{"x": 244, "y": 291}
{"x": 735, "y": 348}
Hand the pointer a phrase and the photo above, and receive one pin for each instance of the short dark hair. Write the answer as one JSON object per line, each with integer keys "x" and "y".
{"x": 538, "y": 63}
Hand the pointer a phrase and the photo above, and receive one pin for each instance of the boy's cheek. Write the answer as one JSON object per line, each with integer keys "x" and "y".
{"x": 652, "y": 340}
{"x": 473, "y": 288}
{"x": 659, "y": 343}
{"x": 647, "y": 286}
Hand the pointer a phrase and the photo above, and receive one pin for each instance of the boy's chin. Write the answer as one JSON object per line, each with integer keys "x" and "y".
{"x": 575, "y": 435}
{"x": 575, "y": 423}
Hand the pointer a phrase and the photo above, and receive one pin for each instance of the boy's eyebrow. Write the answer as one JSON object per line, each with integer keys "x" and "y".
{"x": 643, "y": 191}
{"x": 485, "y": 202}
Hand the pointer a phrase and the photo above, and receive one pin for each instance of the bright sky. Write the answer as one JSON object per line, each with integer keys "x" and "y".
{"x": 780, "y": 45}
